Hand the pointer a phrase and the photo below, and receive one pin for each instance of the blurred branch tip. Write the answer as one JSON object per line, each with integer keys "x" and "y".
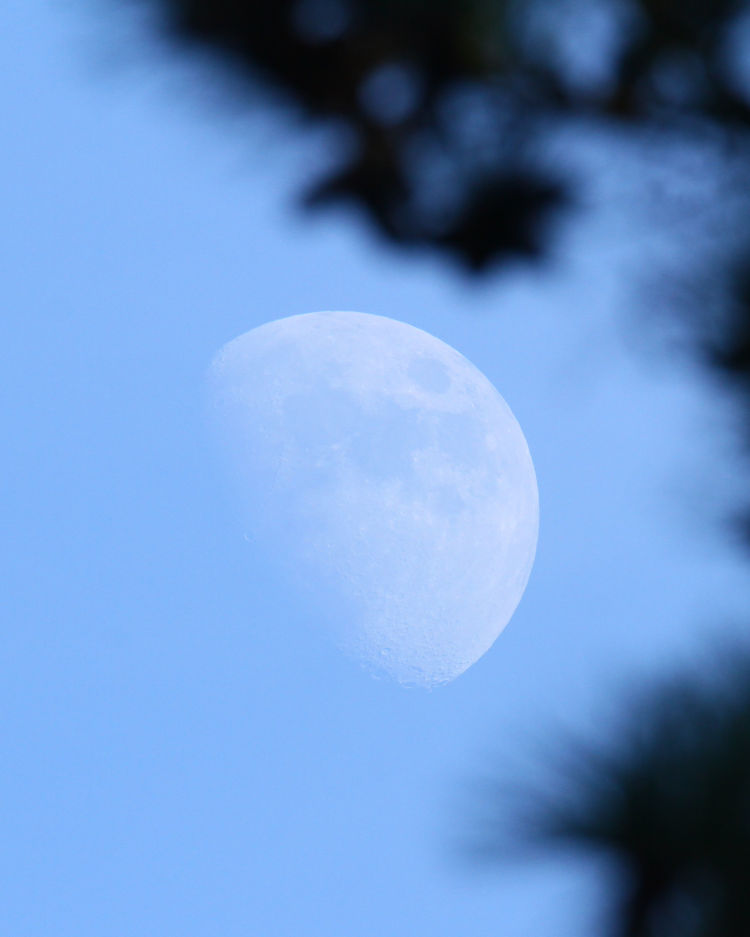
{"x": 665, "y": 802}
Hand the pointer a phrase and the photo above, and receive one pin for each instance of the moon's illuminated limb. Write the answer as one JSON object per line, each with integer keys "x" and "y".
{"x": 385, "y": 463}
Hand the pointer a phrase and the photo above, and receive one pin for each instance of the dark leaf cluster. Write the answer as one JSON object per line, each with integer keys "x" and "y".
{"x": 446, "y": 104}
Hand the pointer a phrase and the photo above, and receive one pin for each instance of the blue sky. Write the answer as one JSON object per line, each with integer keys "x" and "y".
{"x": 181, "y": 754}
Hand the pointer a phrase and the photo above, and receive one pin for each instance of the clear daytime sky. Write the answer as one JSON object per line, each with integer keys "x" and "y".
{"x": 181, "y": 754}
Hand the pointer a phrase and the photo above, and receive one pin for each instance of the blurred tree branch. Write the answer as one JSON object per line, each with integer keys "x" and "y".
{"x": 667, "y": 799}
{"x": 394, "y": 73}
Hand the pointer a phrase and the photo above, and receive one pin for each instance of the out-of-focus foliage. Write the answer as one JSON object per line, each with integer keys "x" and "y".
{"x": 667, "y": 799}
{"x": 446, "y": 104}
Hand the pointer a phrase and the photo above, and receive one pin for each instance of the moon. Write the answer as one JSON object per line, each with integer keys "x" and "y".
{"x": 381, "y": 466}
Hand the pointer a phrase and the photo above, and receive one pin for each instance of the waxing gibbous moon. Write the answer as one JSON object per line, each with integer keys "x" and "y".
{"x": 378, "y": 463}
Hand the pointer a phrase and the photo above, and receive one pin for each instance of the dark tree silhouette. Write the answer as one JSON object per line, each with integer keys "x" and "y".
{"x": 667, "y": 800}
{"x": 447, "y": 103}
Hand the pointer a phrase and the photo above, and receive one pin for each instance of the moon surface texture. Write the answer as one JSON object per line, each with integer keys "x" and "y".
{"x": 381, "y": 466}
